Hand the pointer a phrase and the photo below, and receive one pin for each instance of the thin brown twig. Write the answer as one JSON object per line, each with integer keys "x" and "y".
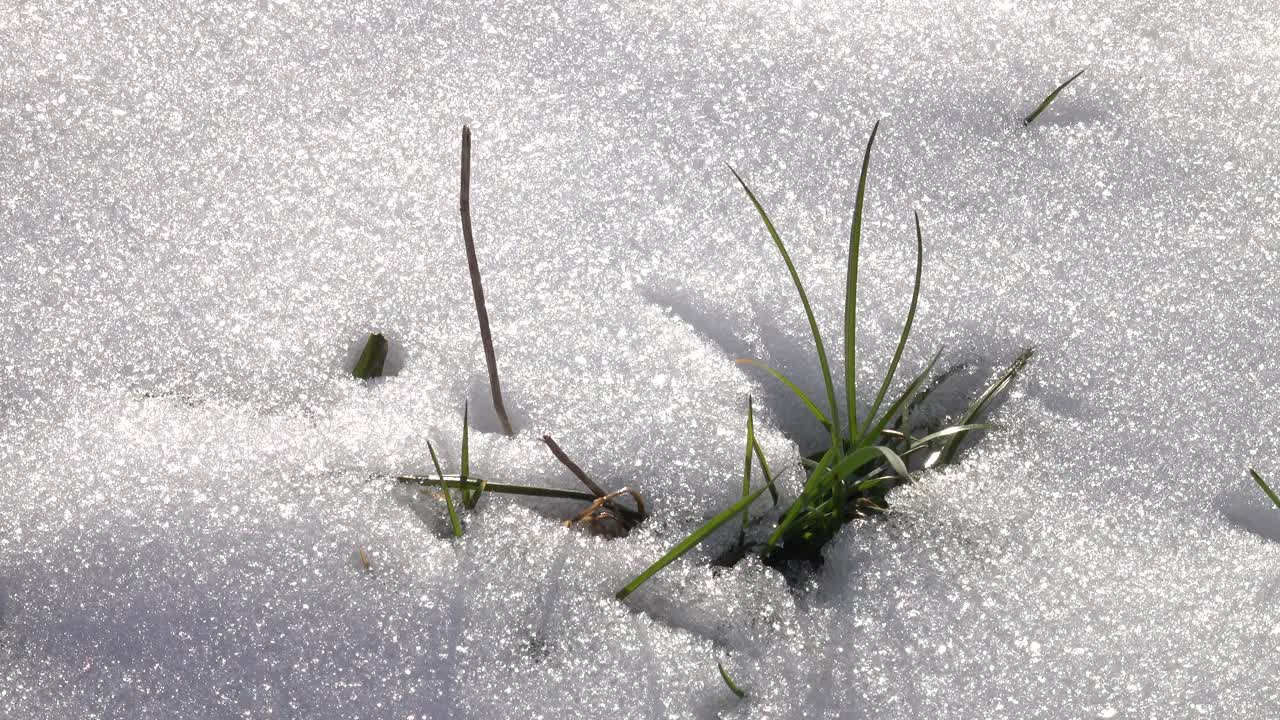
{"x": 573, "y": 467}
{"x": 603, "y": 498}
{"x": 473, "y": 264}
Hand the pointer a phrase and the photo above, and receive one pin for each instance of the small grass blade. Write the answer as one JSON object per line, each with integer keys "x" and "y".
{"x": 851, "y": 293}
{"x": 980, "y": 405}
{"x": 1265, "y": 488}
{"x": 1044, "y": 104}
{"x": 372, "y": 358}
{"x": 690, "y": 542}
{"x": 808, "y": 309}
{"x": 469, "y": 499}
{"x": 448, "y": 496}
{"x": 746, "y": 471}
{"x": 475, "y": 483}
{"x": 817, "y": 412}
{"x": 906, "y": 330}
{"x": 728, "y": 681}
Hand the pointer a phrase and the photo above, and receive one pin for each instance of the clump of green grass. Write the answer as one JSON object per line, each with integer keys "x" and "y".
{"x": 1044, "y": 104}
{"x": 1265, "y": 487}
{"x": 868, "y": 453}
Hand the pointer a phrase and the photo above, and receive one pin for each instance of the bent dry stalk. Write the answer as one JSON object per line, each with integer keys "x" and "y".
{"x": 473, "y": 265}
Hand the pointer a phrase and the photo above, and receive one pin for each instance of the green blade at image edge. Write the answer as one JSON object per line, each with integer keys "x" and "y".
{"x": 689, "y": 542}
{"x": 1265, "y": 488}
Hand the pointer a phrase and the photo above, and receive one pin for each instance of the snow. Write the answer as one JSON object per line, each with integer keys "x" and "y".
{"x": 206, "y": 208}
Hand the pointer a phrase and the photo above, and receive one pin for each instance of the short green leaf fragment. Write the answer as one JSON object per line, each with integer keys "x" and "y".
{"x": 372, "y": 358}
{"x": 730, "y": 683}
{"x": 1265, "y": 488}
{"x": 1044, "y": 104}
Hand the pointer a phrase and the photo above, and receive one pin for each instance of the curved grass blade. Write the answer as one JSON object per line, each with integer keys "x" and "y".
{"x": 804, "y": 300}
{"x": 728, "y": 681}
{"x": 851, "y": 294}
{"x": 902, "y": 403}
{"x": 1044, "y": 104}
{"x": 993, "y": 390}
{"x": 863, "y": 455}
{"x": 1265, "y": 488}
{"x": 906, "y": 329}
{"x": 817, "y": 412}
{"x": 689, "y": 542}
{"x": 448, "y": 496}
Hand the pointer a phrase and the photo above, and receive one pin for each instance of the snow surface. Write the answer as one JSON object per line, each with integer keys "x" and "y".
{"x": 204, "y": 207}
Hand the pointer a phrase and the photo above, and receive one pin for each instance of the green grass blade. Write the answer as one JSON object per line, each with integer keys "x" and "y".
{"x": 746, "y": 469}
{"x": 1265, "y": 488}
{"x": 906, "y": 331}
{"x": 902, "y": 403}
{"x": 728, "y": 681}
{"x": 993, "y": 390}
{"x": 1044, "y": 104}
{"x": 468, "y": 500}
{"x": 817, "y": 412}
{"x": 764, "y": 468}
{"x": 448, "y": 497}
{"x": 690, "y": 542}
{"x": 804, "y": 300}
{"x": 475, "y": 483}
{"x": 851, "y": 294}
{"x": 855, "y": 460}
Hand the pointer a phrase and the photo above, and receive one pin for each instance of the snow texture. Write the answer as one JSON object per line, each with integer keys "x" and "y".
{"x": 205, "y": 207}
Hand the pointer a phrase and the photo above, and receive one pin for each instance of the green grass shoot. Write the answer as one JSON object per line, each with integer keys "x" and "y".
{"x": 1265, "y": 487}
{"x": 1044, "y": 104}
{"x": 728, "y": 681}
{"x": 372, "y": 358}
{"x": 998, "y": 386}
{"x": 469, "y": 497}
{"x": 448, "y": 496}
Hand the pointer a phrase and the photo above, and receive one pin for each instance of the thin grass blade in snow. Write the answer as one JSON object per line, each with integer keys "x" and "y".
{"x": 1044, "y": 104}
{"x": 902, "y": 341}
{"x": 448, "y": 497}
{"x": 690, "y": 542}
{"x": 786, "y": 381}
{"x": 1265, "y": 488}
{"x": 851, "y": 294}
{"x": 808, "y": 309}
{"x": 993, "y": 390}
{"x": 728, "y": 681}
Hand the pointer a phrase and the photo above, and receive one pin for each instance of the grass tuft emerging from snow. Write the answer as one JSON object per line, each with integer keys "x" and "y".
{"x": 867, "y": 456}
